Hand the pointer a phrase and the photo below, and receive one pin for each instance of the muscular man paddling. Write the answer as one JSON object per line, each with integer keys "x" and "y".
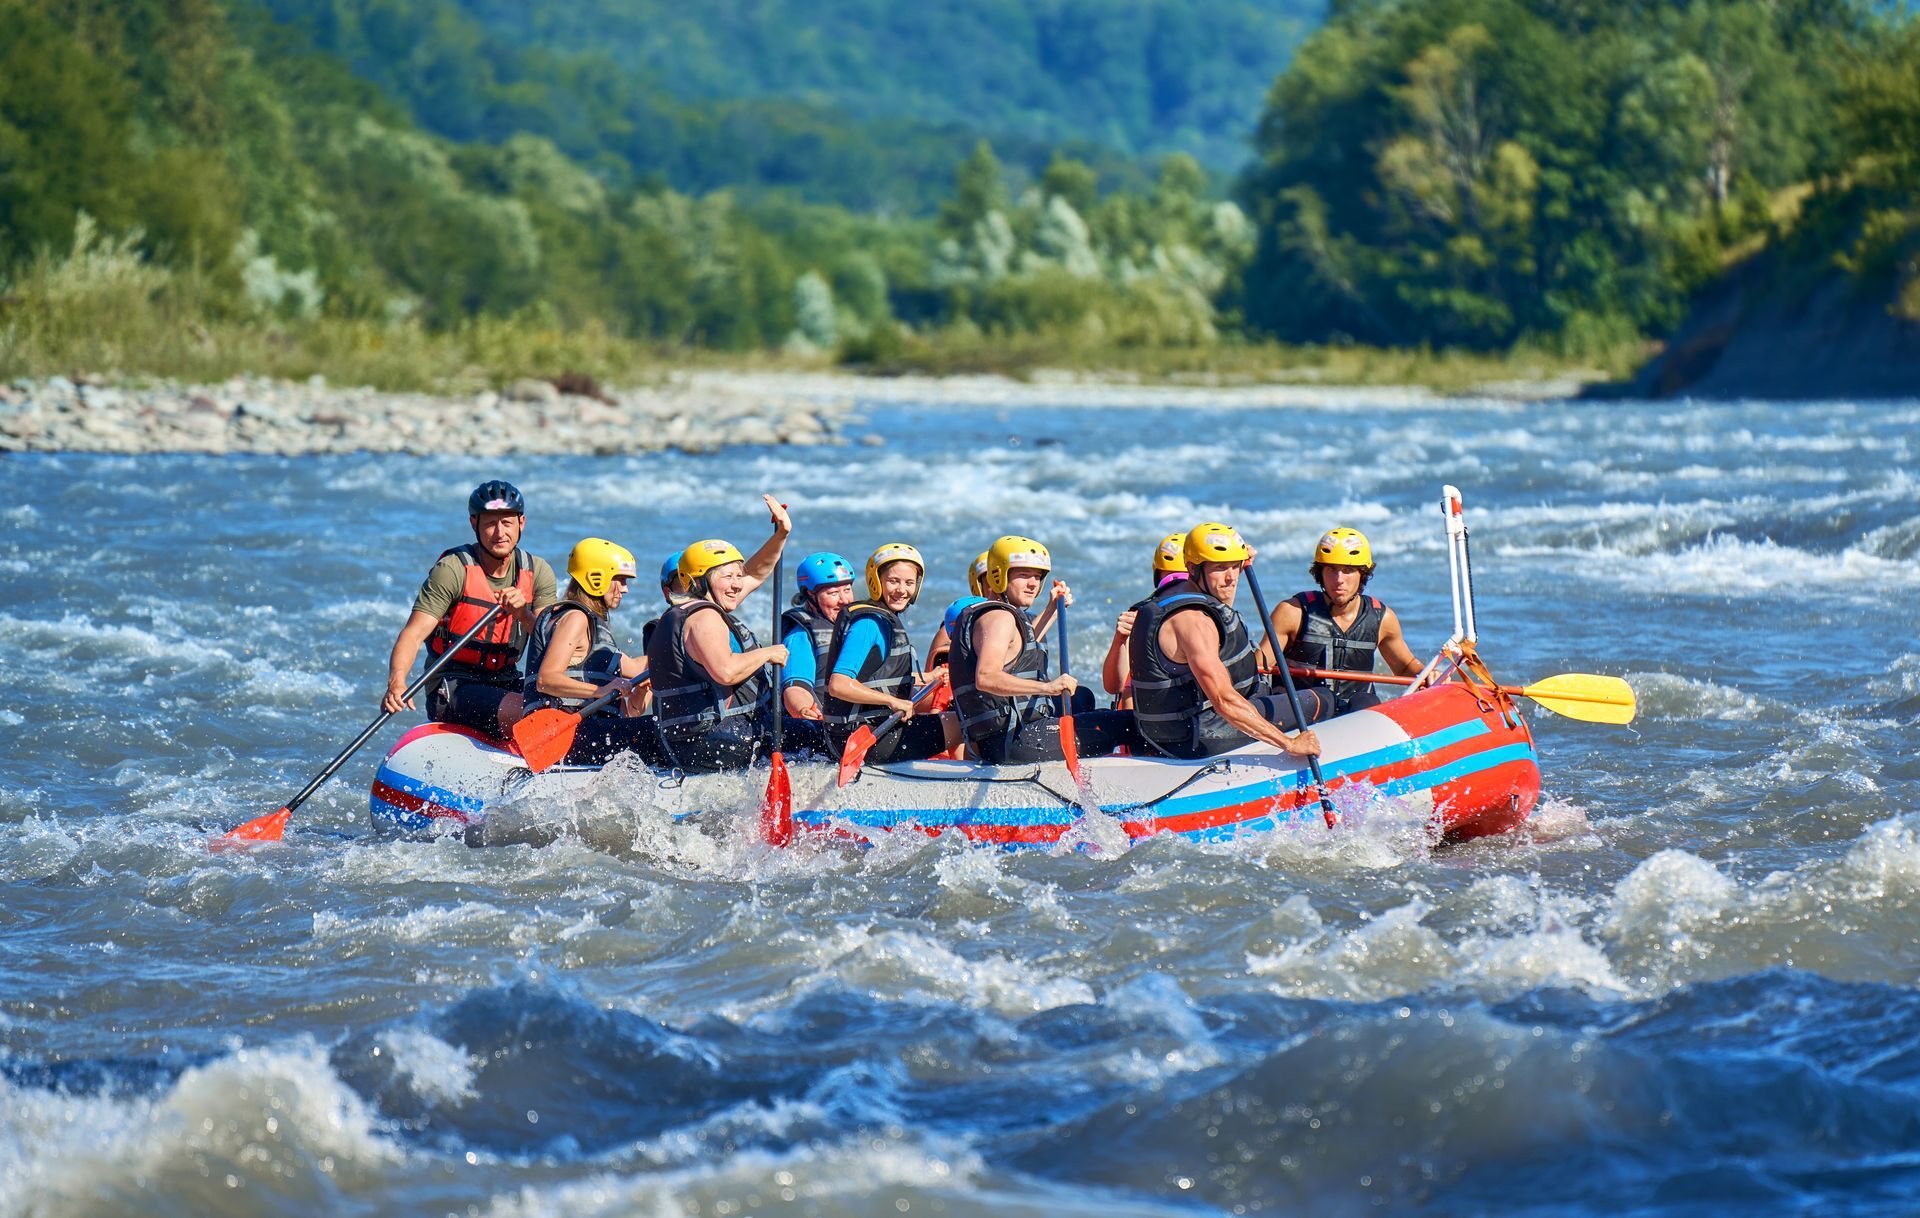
{"x": 1197, "y": 687}
{"x": 1338, "y": 627}
{"x": 480, "y": 687}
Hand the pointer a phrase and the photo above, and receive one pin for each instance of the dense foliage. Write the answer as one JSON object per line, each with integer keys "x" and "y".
{"x": 862, "y": 103}
{"x": 1484, "y": 171}
{"x": 1450, "y": 173}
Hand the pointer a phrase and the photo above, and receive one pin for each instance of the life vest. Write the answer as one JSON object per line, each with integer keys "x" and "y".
{"x": 889, "y": 674}
{"x": 819, "y": 632}
{"x": 1170, "y": 708}
{"x": 984, "y": 716}
{"x": 497, "y": 648}
{"x": 1320, "y": 643}
{"x": 686, "y": 698}
{"x": 600, "y": 665}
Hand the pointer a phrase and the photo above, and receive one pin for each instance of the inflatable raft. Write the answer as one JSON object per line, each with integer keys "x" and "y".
{"x": 1457, "y": 753}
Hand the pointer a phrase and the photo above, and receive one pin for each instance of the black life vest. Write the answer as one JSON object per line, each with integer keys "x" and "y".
{"x": 1320, "y": 643}
{"x": 820, "y": 633}
{"x": 495, "y": 651}
{"x": 686, "y": 698}
{"x": 1172, "y": 711}
{"x": 600, "y": 665}
{"x": 983, "y": 716}
{"x": 889, "y": 674}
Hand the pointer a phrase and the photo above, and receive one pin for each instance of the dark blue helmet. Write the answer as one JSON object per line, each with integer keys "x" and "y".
{"x": 495, "y": 496}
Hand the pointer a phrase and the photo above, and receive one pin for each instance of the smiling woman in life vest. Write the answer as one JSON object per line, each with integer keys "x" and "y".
{"x": 573, "y": 657}
{"x": 480, "y": 686}
{"x": 1338, "y": 626}
{"x": 870, "y": 663}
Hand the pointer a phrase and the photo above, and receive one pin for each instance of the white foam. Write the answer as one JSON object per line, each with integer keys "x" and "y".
{"x": 435, "y": 1071}
{"x": 912, "y": 966}
{"x": 260, "y": 1120}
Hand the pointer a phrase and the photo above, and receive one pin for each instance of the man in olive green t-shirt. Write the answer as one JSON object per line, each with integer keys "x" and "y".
{"x": 480, "y": 686}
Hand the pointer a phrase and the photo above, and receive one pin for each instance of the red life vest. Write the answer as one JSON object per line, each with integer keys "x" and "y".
{"x": 497, "y": 648}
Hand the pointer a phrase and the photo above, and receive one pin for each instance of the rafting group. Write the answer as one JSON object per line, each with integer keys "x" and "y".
{"x": 1187, "y": 679}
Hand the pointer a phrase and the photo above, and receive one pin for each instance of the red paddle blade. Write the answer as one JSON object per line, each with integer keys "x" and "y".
{"x": 855, "y": 754}
{"x": 940, "y": 699}
{"x": 1070, "y": 748}
{"x": 776, "y": 811}
{"x": 544, "y": 737}
{"x": 269, "y": 828}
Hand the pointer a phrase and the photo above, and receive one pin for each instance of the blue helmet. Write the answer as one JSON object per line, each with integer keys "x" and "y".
{"x": 822, "y": 570}
{"x": 961, "y": 606}
{"x": 670, "y": 569}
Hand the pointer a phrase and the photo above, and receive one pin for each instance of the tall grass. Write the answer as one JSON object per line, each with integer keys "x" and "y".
{"x": 100, "y": 308}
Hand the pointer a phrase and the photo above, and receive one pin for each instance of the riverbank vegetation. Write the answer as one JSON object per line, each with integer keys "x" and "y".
{"x": 1443, "y": 191}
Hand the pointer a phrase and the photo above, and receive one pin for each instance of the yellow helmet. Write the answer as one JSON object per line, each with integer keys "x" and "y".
{"x": 1213, "y": 542}
{"x": 1170, "y": 556}
{"x": 1344, "y": 548}
{"x": 977, "y": 575}
{"x": 596, "y": 562}
{"x": 703, "y": 556}
{"x": 892, "y": 552}
{"x": 1010, "y": 552}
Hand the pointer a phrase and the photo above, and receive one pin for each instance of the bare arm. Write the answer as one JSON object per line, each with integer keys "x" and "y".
{"x": 761, "y": 563}
{"x": 569, "y": 640}
{"x": 1285, "y": 624}
{"x": 710, "y": 645}
{"x": 1393, "y": 645}
{"x": 994, "y": 635}
{"x": 800, "y": 703}
{"x": 845, "y": 688}
{"x": 406, "y": 649}
{"x": 1198, "y": 639}
{"x": 1119, "y": 664}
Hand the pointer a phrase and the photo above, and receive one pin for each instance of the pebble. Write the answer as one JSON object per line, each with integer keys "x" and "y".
{"x": 257, "y": 415}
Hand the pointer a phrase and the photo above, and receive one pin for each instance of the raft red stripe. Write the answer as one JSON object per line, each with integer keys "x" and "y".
{"x": 413, "y": 803}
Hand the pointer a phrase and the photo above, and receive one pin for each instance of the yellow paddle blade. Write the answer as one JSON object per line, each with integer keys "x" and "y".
{"x": 1586, "y": 696}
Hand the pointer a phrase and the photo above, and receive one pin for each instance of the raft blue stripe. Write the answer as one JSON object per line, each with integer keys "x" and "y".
{"x": 432, "y": 794}
{"x": 1471, "y": 764}
{"x": 398, "y": 817}
{"x": 1302, "y": 778}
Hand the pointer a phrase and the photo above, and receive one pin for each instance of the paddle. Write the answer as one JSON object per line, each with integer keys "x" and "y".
{"x": 1585, "y": 696}
{"x": 864, "y": 737}
{"x": 546, "y": 736}
{"x": 1293, "y": 698}
{"x": 1069, "y": 745}
{"x": 776, "y": 810}
{"x": 273, "y": 826}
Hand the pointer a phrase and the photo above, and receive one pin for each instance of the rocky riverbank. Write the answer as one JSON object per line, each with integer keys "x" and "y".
{"x": 252, "y": 415}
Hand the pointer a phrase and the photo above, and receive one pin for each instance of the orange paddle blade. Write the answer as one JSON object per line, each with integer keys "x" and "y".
{"x": 776, "y": 811}
{"x": 1070, "y": 748}
{"x": 269, "y": 828}
{"x": 855, "y": 754}
{"x": 544, "y": 737}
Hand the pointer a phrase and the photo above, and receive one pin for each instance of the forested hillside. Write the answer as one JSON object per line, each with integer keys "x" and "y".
{"x": 194, "y": 183}
{"x": 863, "y": 103}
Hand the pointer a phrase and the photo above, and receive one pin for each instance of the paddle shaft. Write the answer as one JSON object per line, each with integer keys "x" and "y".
{"x": 1065, "y": 662}
{"x": 432, "y": 671}
{"x": 1331, "y": 674}
{"x": 1293, "y": 695}
{"x": 896, "y": 718}
{"x": 779, "y": 670}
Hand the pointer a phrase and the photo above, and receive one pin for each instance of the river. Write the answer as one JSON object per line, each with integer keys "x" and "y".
{"x": 1687, "y": 986}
